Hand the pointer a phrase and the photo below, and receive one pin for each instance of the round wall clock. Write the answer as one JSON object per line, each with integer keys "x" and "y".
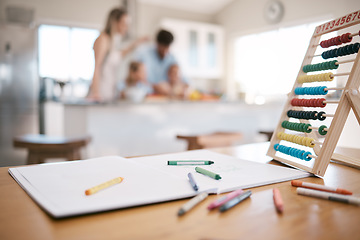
{"x": 274, "y": 11}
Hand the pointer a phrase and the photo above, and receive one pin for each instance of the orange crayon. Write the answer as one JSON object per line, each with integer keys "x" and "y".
{"x": 103, "y": 185}
{"x": 297, "y": 183}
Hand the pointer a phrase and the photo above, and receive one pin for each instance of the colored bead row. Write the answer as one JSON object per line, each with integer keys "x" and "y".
{"x": 311, "y": 90}
{"x": 321, "y": 66}
{"x": 323, "y": 77}
{"x": 300, "y": 127}
{"x": 342, "y": 51}
{"x": 313, "y": 102}
{"x": 293, "y": 152}
{"x": 335, "y": 41}
{"x": 303, "y": 127}
{"x": 305, "y": 141}
{"x": 314, "y": 115}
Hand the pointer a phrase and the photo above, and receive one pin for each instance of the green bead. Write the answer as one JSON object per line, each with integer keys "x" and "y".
{"x": 307, "y": 129}
{"x": 321, "y": 130}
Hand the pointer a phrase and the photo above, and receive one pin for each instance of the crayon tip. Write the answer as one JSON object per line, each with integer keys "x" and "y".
{"x": 181, "y": 212}
{"x": 296, "y": 183}
{"x": 345, "y": 192}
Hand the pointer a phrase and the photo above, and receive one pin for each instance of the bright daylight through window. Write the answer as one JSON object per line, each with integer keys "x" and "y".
{"x": 266, "y": 64}
{"x": 66, "y": 53}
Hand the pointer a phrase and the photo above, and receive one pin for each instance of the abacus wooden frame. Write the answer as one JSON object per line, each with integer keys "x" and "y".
{"x": 350, "y": 99}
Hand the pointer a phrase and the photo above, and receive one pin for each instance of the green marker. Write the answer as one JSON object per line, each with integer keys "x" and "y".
{"x": 190, "y": 162}
{"x": 208, "y": 173}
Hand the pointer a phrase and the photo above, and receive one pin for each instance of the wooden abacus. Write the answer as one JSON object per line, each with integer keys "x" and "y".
{"x": 317, "y": 160}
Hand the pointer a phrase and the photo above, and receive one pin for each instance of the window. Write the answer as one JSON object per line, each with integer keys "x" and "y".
{"x": 66, "y": 54}
{"x": 211, "y": 45}
{"x": 266, "y": 64}
{"x": 193, "y": 50}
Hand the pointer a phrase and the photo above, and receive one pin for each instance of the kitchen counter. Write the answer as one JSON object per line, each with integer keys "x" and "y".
{"x": 133, "y": 129}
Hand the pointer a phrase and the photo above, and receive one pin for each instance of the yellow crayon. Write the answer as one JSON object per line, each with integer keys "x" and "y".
{"x": 103, "y": 185}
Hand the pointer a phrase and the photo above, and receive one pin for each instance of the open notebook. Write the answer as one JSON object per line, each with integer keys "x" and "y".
{"x": 59, "y": 187}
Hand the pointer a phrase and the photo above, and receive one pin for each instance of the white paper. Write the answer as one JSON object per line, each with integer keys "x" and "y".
{"x": 235, "y": 173}
{"x": 59, "y": 188}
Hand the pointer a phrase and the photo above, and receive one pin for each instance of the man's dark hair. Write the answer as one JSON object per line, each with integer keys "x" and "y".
{"x": 164, "y": 37}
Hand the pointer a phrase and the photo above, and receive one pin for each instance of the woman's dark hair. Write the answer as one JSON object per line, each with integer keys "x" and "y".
{"x": 164, "y": 37}
{"x": 114, "y": 16}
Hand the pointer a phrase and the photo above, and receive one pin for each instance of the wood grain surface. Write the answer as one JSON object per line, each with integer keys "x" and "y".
{"x": 255, "y": 218}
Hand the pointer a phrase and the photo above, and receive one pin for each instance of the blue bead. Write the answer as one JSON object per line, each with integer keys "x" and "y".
{"x": 324, "y": 92}
{"x": 306, "y": 156}
{"x": 276, "y": 146}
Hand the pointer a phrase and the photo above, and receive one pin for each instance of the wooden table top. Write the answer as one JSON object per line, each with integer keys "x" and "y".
{"x": 255, "y": 218}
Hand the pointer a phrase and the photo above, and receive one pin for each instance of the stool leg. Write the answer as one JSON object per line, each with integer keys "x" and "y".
{"x": 32, "y": 158}
{"x": 73, "y": 154}
{"x": 193, "y": 144}
{"x": 77, "y": 154}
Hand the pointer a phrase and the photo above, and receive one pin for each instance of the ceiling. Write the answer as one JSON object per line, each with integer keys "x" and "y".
{"x": 199, "y": 6}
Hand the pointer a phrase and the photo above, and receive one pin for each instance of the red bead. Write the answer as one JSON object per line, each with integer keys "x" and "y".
{"x": 326, "y": 43}
{"x": 348, "y": 37}
{"x": 330, "y": 42}
{"x": 308, "y": 103}
{"x": 343, "y": 38}
{"x": 320, "y": 102}
{"x": 322, "y": 44}
{"x": 338, "y": 40}
{"x": 333, "y": 41}
{"x": 313, "y": 102}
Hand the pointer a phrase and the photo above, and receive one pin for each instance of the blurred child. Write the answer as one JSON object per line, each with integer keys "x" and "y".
{"x": 173, "y": 87}
{"x": 177, "y": 87}
{"x": 136, "y": 86}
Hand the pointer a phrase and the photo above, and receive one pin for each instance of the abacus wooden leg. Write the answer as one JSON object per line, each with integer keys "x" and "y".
{"x": 354, "y": 99}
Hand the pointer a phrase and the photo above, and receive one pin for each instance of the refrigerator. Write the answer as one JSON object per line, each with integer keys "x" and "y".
{"x": 19, "y": 90}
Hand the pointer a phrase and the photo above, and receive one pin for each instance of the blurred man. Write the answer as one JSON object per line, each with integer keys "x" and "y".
{"x": 157, "y": 60}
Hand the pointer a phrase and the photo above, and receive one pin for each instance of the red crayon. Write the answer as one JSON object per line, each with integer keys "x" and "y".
{"x": 279, "y": 204}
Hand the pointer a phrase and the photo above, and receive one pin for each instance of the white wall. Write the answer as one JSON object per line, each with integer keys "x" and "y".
{"x": 83, "y": 13}
{"x": 248, "y": 15}
{"x": 150, "y": 16}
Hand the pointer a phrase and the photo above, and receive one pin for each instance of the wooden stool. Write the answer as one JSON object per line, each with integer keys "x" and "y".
{"x": 41, "y": 147}
{"x": 218, "y": 139}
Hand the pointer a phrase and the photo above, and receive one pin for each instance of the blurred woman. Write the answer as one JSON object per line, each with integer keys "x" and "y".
{"x": 108, "y": 56}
